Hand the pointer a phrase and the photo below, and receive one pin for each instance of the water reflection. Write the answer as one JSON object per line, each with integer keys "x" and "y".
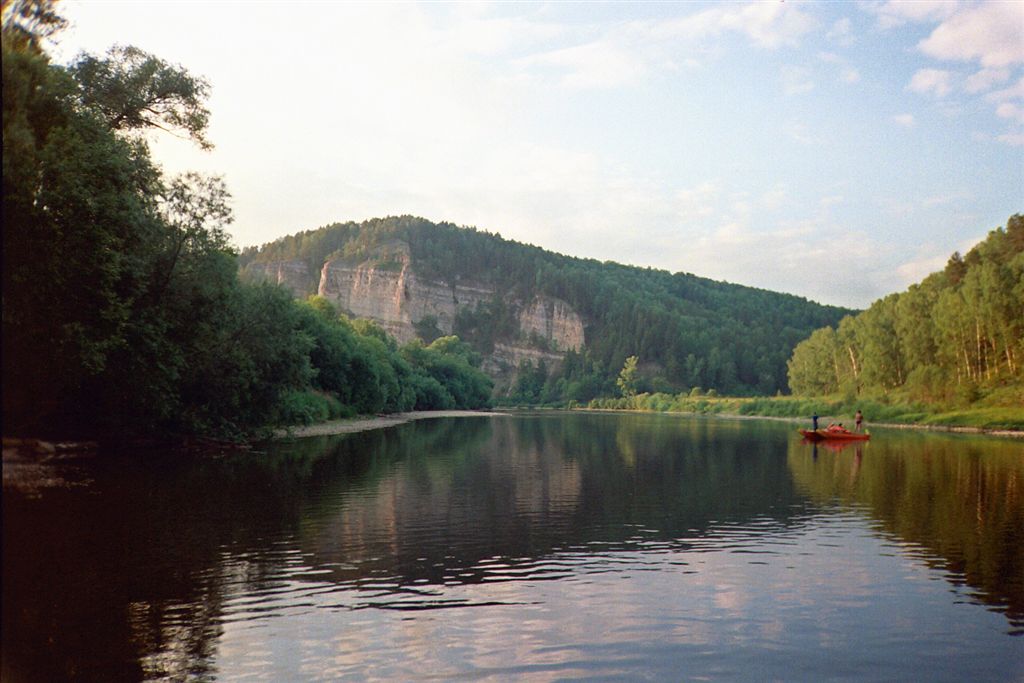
{"x": 955, "y": 501}
{"x": 549, "y": 546}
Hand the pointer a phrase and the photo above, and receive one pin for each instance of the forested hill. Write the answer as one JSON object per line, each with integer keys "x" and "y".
{"x": 686, "y": 330}
{"x": 953, "y": 339}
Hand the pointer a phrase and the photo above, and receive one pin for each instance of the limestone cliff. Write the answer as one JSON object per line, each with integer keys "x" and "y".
{"x": 295, "y": 275}
{"x": 385, "y": 288}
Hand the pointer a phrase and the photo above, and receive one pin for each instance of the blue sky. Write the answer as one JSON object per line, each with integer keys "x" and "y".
{"x": 838, "y": 151}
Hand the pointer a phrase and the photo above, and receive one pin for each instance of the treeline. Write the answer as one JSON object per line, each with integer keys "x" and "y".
{"x": 687, "y": 331}
{"x": 357, "y": 366}
{"x": 956, "y": 336}
{"x": 123, "y": 312}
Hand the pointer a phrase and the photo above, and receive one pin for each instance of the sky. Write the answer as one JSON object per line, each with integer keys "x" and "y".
{"x": 837, "y": 151}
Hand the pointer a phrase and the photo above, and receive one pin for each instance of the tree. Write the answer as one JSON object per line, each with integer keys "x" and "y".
{"x": 627, "y": 381}
{"x": 79, "y": 216}
{"x": 134, "y": 90}
{"x": 952, "y": 337}
{"x": 122, "y": 308}
{"x": 880, "y": 345}
{"x": 26, "y": 22}
{"x": 427, "y": 329}
{"x": 814, "y": 366}
{"x": 664, "y": 317}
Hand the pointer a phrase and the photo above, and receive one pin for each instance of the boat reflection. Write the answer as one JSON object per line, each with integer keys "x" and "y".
{"x": 834, "y": 446}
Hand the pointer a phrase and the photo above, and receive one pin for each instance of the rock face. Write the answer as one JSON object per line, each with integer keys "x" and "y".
{"x": 294, "y": 275}
{"x": 386, "y": 289}
{"x": 554, "y": 321}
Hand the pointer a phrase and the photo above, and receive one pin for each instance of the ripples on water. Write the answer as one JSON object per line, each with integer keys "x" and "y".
{"x": 542, "y": 549}
{"x": 737, "y": 599}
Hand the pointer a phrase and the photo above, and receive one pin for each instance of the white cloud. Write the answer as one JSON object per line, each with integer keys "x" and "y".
{"x": 991, "y": 33}
{"x": 796, "y": 80}
{"x": 1012, "y": 139}
{"x": 1014, "y": 92}
{"x": 1008, "y": 106}
{"x": 623, "y": 54}
{"x": 985, "y": 79}
{"x": 743, "y": 244}
{"x": 774, "y": 199}
{"x": 849, "y": 75}
{"x": 771, "y": 25}
{"x": 934, "y": 81}
{"x": 930, "y": 257}
{"x": 484, "y": 35}
{"x": 920, "y": 268}
{"x": 434, "y": 110}
{"x": 898, "y": 12}
{"x": 768, "y": 25}
{"x": 831, "y": 200}
{"x": 945, "y": 199}
{"x": 1009, "y": 110}
{"x": 841, "y": 32}
{"x": 728, "y": 231}
{"x": 697, "y": 202}
{"x": 800, "y": 133}
{"x": 595, "y": 65}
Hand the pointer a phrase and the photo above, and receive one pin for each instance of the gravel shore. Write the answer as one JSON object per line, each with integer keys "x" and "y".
{"x": 362, "y": 424}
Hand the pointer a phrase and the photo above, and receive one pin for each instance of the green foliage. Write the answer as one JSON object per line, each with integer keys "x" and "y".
{"x": 123, "y": 312}
{"x": 133, "y": 90}
{"x": 27, "y": 22}
{"x": 627, "y": 377}
{"x": 984, "y": 418}
{"x": 79, "y": 219}
{"x": 310, "y": 407}
{"x": 690, "y": 331}
{"x": 452, "y": 365}
{"x": 427, "y": 329}
{"x": 528, "y": 387}
{"x": 947, "y": 341}
{"x": 828, "y": 410}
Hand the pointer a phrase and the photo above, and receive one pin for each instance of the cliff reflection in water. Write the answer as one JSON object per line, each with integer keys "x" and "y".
{"x": 520, "y": 489}
{"x": 137, "y": 575}
{"x": 957, "y": 500}
{"x": 174, "y": 567}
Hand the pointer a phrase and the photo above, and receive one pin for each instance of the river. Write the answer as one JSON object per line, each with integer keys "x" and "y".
{"x": 551, "y": 546}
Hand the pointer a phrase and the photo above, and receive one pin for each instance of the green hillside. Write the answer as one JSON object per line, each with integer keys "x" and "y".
{"x": 686, "y": 330}
{"x": 124, "y": 318}
{"x": 956, "y": 339}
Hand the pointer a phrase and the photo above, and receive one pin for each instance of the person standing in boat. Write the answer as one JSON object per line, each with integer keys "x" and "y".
{"x": 859, "y": 418}
{"x": 814, "y": 421}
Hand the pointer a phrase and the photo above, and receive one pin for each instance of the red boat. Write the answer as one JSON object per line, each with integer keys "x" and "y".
{"x": 833, "y": 434}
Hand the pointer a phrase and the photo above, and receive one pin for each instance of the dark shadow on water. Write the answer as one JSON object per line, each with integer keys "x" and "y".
{"x": 131, "y": 577}
{"x": 956, "y": 502}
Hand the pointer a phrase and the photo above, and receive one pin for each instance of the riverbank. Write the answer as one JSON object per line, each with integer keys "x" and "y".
{"x": 1013, "y": 433}
{"x": 956, "y": 429}
{"x": 366, "y": 423}
{"x": 1005, "y": 418}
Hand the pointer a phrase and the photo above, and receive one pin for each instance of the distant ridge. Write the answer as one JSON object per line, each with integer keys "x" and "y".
{"x": 525, "y": 308}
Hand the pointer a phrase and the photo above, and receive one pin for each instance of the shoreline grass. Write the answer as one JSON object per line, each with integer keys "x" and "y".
{"x": 982, "y": 418}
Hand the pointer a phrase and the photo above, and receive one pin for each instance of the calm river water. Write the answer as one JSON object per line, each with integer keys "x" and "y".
{"x": 527, "y": 547}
